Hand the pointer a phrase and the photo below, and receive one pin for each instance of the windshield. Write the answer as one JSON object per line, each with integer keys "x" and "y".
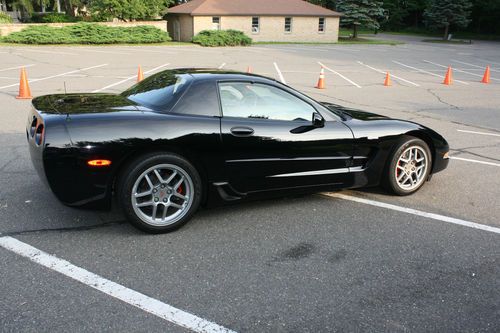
{"x": 159, "y": 91}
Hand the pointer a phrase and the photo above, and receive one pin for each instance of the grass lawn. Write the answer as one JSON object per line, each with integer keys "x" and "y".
{"x": 456, "y": 35}
{"x": 441, "y": 41}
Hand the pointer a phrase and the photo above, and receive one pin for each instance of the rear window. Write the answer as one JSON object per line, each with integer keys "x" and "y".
{"x": 160, "y": 91}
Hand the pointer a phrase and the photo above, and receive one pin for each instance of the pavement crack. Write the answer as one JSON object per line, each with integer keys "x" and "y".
{"x": 64, "y": 229}
{"x": 440, "y": 100}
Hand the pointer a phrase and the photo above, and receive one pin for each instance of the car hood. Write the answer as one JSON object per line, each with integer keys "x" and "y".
{"x": 84, "y": 103}
{"x": 352, "y": 113}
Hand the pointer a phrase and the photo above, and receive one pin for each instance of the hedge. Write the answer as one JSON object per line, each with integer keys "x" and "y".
{"x": 222, "y": 38}
{"x": 87, "y": 33}
{"x": 52, "y": 18}
{"x": 4, "y": 18}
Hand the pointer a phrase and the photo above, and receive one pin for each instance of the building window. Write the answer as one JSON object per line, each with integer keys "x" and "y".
{"x": 216, "y": 23}
{"x": 321, "y": 24}
{"x": 288, "y": 24}
{"x": 255, "y": 25}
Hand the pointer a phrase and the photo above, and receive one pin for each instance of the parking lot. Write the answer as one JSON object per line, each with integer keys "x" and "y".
{"x": 348, "y": 261}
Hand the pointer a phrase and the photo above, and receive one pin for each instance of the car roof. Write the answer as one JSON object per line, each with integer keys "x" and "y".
{"x": 219, "y": 74}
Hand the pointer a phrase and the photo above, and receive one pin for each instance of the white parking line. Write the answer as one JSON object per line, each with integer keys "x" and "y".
{"x": 458, "y": 70}
{"x": 488, "y": 61}
{"x": 113, "y": 289}
{"x": 282, "y": 79}
{"x": 17, "y": 67}
{"x": 99, "y": 51}
{"x": 416, "y": 212}
{"x": 469, "y": 64}
{"x": 425, "y": 72}
{"x": 474, "y": 161}
{"x": 480, "y": 133}
{"x": 128, "y": 79}
{"x": 43, "y": 51}
{"x": 222, "y": 65}
{"x": 342, "y": 76}
{"x": 54, "y": 76}
{"x": 392, "y": 75}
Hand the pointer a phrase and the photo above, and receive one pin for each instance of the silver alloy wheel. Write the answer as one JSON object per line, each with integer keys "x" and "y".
{"x": 411, "y": 168}
{"x": 162, "y": 194}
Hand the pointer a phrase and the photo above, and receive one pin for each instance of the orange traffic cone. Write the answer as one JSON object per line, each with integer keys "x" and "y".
{"x": 486, "y": 77}
{"x": 140, "y": 74}
{"x": 321, "y": 80}
{"x": 249, "y": 70}
{"x": 24, "y": 87}
{"x": 448, "y": 79}
{"x": 387, "y": 81}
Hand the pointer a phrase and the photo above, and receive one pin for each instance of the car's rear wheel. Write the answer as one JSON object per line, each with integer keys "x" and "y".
{"x": 160, "y": 192}
{"x": 409, "y": 166}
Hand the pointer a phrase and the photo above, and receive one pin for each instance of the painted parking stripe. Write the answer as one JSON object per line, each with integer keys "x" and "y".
{"x": 57, "y": 75}
{"x": 99, "y": 51}
{"x": 458, "y": 70}
{"x": 282, "y": 79}
{"x": 487, "y": 61}
{"x": 392, "y": 75}
{"x": 113, "y": 289}
{"x": 469, "y": 64}
{"x": 474, "y": 161}
{"x": 480, "y": 133}
{"x": 425, "y": 72}
{"x": 342, "y": 76}
{"x": 416, "y": 212}
{"x": 222, "y": 65}
{"x": 35, "y": 50}
{"x": 128, "y": 79}
{"x": 16, "y": 67}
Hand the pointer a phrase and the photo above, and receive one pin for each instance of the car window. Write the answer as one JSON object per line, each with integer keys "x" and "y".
{"x": 201, "y": 100}
{"x": 261, "y": 101}
{"x": 159, "y": 91}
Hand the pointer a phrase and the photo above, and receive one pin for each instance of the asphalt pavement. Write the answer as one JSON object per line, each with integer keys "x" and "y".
{"x": 313, "y": 263}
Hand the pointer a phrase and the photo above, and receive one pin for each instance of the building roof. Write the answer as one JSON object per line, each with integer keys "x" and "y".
{"x": 251, "y": 8}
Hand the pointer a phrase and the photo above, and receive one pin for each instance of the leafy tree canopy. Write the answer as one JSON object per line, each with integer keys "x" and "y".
{"x": 128, "y": 10}
{"x": 365, "y": 13}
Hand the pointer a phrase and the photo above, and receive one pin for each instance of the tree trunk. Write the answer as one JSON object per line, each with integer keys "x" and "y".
{"x": 58, "y": 3}
{"x": 355, "y": 31}
{"x": 446, "y": 30}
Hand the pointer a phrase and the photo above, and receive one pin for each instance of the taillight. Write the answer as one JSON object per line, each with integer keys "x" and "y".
{"x": 39, "y": 134}
{"x": 99, "y": 163}
{"x": 33, "y": 126}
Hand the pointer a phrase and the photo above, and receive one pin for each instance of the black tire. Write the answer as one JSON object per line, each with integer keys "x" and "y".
{"x": 390, "y": 181}
{"x": 131, "y": 176}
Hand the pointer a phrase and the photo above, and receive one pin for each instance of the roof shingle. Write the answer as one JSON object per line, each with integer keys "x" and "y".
{"x": 251, "y": 8}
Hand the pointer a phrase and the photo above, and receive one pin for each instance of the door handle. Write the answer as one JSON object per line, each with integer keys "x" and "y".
{"x": 242, "y": 131}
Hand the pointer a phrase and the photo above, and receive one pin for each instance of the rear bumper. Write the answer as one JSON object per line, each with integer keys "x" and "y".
{"x": 63, "y": 167}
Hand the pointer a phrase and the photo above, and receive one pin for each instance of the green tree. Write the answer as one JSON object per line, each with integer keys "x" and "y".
{"x": 365, "y": 13}
{"x": 403, "y": 13}
{"x": 330, "y": 4}
{"x": 446, "y": 13}
{"x": 128, "y": 10}
{"x": 485, "y": 14}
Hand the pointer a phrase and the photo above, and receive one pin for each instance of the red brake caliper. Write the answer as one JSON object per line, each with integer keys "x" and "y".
{"x": 180, "y": 190}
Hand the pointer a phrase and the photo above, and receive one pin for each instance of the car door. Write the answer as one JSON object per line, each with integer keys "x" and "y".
{"x": 270, "y": 141}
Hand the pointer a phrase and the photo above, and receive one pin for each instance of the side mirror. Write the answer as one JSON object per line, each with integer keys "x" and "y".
{"x": 318, "y": 120}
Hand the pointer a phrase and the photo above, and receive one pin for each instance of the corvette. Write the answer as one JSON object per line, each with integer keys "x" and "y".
{"x": 189, "y": 137}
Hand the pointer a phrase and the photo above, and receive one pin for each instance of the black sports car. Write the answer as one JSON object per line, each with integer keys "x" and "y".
{"x": 189, "y": 137}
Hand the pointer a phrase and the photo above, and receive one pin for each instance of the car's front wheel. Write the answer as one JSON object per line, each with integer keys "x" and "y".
{"x": 409, "y": 167}
{"x": 159, "y": 192}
